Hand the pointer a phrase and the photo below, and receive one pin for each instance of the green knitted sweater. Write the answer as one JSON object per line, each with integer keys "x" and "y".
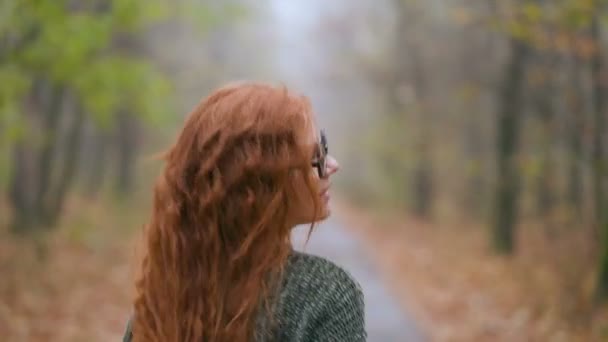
{"x": 318, "y": 302}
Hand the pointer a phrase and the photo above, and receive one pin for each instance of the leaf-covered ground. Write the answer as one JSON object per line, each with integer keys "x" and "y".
{"x": 459, "y": 290}
{"x": 74, "y": 286}
{"x": 77, "y": 286}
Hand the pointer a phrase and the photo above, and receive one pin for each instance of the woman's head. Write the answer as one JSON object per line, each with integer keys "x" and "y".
{"x": 238, "y": 178}
{"x": 307, "y": 208}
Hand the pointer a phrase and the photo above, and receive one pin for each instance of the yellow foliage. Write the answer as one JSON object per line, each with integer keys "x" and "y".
{"x": 532, "y": 12}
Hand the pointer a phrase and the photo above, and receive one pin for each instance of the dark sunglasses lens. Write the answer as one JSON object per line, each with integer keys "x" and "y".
{"x": 323, "y": 164}
{"x": 324, "y": 142}
{"x": 322, "y": 155}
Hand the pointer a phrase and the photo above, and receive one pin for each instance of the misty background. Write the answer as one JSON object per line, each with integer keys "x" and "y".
{"x": 473, "y": 130}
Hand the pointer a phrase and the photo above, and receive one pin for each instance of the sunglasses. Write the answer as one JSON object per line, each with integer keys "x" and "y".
{"x": 320, "y": 159}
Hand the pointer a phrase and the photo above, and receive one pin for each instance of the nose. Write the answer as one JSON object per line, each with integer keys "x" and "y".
{"x": 332, "y": 166}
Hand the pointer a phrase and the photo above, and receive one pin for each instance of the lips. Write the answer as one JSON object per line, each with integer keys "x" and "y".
{"x": 324, "y": 190}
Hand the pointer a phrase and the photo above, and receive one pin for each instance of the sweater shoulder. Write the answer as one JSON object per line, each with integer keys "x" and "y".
{"x": 315, "y": 272}
{"x": 320, "y": 301}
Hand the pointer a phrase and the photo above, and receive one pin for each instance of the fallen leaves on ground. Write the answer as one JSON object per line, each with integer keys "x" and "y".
{"x": 459, "y": 290}
{"x": 66, "y": 286}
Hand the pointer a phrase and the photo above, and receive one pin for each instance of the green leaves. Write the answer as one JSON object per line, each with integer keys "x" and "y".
{"x": 63, "y": 47}
{"x": 101, "y": 87}
{"x": 74, "y": 47}
{"x": 532, "y": 12}
{"x": 552, "y": 25}
{"x": 204, "y": 17}
{"x": 13, "y": 86}
{"x": 133, "y": 15}
{"x": 81, "y": 46}
{"x": 114, "y": 83}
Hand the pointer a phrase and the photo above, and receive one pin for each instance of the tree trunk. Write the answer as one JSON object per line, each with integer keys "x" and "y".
{"x": 50, "y": 126}
{"x": 600, "y": 85}
{"x": 422, "y": 177}
{"x": 95, "y": 161}
{"x": 67, "y": 173}
{"x": 127, "y": 152}
{"x": 22, "y": 188}
{"x": 545, "y": 195}
{"x": 19, "y": 196}
{"x": 473, "y": 200}
{"x": 509, "y": 119}
{"x": 575, "y": 140}
{"x": 422, "y": 185}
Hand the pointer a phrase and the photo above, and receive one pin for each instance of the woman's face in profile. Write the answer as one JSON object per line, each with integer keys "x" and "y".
{"x": 322, "y": 167}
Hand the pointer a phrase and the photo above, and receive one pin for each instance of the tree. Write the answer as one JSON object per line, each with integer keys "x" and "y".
{"x": 510, "y": 107}
{"x": 576, "y": 102}
{"x": 64, "y": 80}
{"x": 599, "y": 75}
{"x": 411, "y": 50}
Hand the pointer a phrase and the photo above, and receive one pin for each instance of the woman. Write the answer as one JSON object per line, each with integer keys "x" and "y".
{"x": 248, "y": 166}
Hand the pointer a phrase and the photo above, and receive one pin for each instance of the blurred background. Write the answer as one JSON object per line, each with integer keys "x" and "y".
{"x": 471, "y": 134}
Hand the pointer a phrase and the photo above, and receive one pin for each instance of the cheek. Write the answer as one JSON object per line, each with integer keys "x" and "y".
{"x": 301, "y": 195}
{"x": 301, "y": 190}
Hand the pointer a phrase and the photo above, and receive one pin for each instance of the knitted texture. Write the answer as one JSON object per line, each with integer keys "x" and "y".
{"x": 318, "y": 302}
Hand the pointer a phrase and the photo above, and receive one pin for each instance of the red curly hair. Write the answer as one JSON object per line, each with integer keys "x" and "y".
{"x": 219, "y": 233}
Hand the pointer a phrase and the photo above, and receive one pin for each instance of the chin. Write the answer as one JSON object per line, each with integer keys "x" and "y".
{"x": 325, "y": 213}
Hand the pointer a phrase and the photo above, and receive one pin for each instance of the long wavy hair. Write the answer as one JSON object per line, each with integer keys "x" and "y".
{"x": 219, "y": 233}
